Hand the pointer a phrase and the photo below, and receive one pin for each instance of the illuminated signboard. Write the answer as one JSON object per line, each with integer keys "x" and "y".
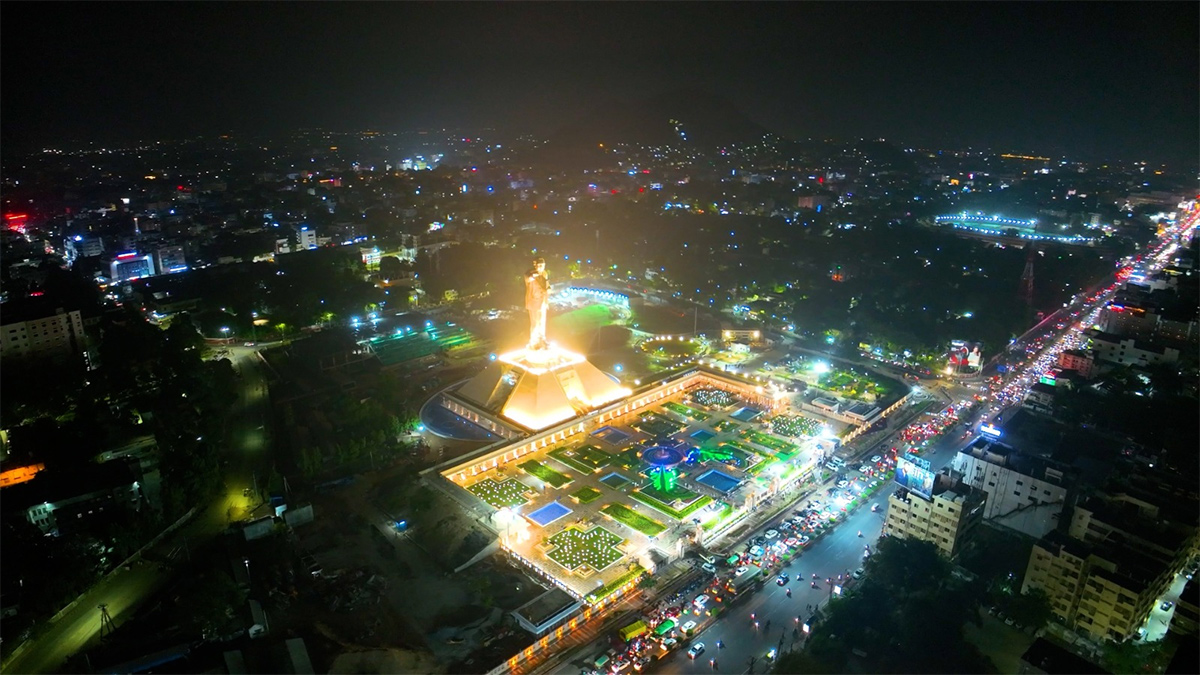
{"x": 991, "y": 430}
{"x": 914, "y": 473}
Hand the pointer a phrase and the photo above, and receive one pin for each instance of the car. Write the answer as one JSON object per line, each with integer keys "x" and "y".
{"x": 756, "y": 551}
{"x": 700, "y": 601}
{"x": 864, "y": 468}
{"x": 688, "y": 627}
{"x": 858, "y": 573}
{"x": 696, "y": 650}
{"x": 792, "y": 542}
{"x": 804, "y": 540}
{"x": 1166, "y": 606}
{"x": 782, "y": 579}
{"x": 842, "y": 483}
{"x": 759, "y": 540}
{"x": 669, "y": 642}
{"x": 876, "y": 459}
{"x": 741, "y": 570}
{"x": 709, "y": 567}
{"x": 1008, "y": 621}
{"x": 772, "y": 534}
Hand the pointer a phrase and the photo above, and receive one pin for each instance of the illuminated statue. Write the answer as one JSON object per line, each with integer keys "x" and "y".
{"x": 537, "y": 297}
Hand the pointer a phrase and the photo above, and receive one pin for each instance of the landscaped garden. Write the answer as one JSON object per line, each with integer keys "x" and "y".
{"x": 851, "y": 385}
{"x": 690, "y": 413}
{"x": 710, "y": 521}
{"x": 585, "y": 459}
{"x": 627, "y": 516}
{"x": 656, "y": 425}
{"x": 545, "y": 473}
{"x": 711, "y": 397}
{"x": 784, "y": 449}
{"x": 586, "y": 495}
{"x": 500, "y": 494}
{"x": 595, "y": 548}
{"x": 795, "y": 426}
{"x": 650, "y": 497}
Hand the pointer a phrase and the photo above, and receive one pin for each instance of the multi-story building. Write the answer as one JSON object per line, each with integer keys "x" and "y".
{"x": 1077, "y": 360}
{"x": 1130, "y": 351}
{"x": 946, "y": 519}
{"x": 1186, "y": 620}
{"x": 130, "y": 265}
{"x": 56, "y": 501}
{"x": 306, "y": 238}
{"x": 1132, "y": 518}
{"x": 1105, "y": 589}
{"x": 1014, "y": 482}
{"x": 171, "y": 259}
{"x": 1040, "y": 398}
{"x": 35, "y": 327}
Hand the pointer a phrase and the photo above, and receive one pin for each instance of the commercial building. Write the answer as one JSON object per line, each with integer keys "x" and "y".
{"x": 1079, "y": 361}
{"x": 1014, "y": 482}
{"x": 947, "y": 518}
{"x": 306, "y": 238}
{"x": 36, "y": 327}
{"x": 1131, "y": 351}
{"x": 129, "y": 266}
{"x": 171, "y": 259}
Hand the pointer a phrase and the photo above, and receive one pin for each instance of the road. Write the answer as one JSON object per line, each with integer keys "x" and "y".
{"x": 125, "y": 589}
{"x": 839, "y": 552}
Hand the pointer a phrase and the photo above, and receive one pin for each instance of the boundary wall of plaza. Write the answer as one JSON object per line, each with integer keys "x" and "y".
{"x": 508, "y": 451}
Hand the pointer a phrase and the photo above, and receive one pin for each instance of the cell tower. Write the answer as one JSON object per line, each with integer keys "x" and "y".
{"x": 1027, "y": 277}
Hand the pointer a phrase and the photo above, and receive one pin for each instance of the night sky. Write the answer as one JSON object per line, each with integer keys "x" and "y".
{"x": 1092, "y": 81}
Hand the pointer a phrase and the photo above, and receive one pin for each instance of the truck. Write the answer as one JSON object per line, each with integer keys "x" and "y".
{"x": 745, "y": 580}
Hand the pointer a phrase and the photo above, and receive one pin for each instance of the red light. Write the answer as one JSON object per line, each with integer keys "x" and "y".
{"x": 474, "y": 169}
{"x": 645, "y": 170}
{"x": 820, "y": 180}
{"x": 180, "y": 187}
{"x": 641, "y": 189}
{"x": 16, "y": 216}
{"x": 614, "y": 191}
{"x": 126, "y": 256}
{"x": 36, "y": 294}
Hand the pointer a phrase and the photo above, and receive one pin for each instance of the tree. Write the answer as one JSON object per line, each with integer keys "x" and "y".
{"x": 1032, "y": 609}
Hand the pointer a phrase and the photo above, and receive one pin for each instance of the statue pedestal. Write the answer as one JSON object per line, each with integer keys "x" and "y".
{"x": 538, "y": 388}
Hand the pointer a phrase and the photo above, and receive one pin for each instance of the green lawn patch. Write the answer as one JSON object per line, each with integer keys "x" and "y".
{"x": 721, "y": 516}
{"x": 778, "y": 445}
{"x": 657, "y": 425}
{"x": 567, "y": 457}
{"x": 726, "y": 425}
{"x": 500, "y": 495}
{"x": 586, "y": 495}
{"x": 614, "y": 585}
{"x": 678, "y": 493}
{"x": 624, "y": 514}
{"x": 678, "y": 514}
{"x": 596, "y": 548}
{"x": 690, "y": 413}
{"x": 545, "y": 473}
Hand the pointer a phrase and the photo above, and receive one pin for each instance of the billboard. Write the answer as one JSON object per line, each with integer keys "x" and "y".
{"x": 914, "y": 473}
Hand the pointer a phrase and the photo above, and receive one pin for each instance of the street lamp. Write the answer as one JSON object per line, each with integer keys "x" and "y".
{"x": 247, "y": 562}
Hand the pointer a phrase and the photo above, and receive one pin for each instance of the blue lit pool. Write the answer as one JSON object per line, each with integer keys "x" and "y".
{"x": 718, "y": 480}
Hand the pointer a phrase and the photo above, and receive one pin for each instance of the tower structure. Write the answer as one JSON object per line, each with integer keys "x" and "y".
{"x": 1027, "y": 276}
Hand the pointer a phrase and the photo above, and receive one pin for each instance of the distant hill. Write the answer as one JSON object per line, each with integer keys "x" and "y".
{"x": 674, "y": 117}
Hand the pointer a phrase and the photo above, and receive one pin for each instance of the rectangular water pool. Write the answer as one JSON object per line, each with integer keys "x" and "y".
{"x": 702, "y": 436}
{"x": 611, "y": 435}
{"x": 548, "y": 513}
{"x": 615, "y": 481}
{"x": 717, "y": 480}
{"x": 746, "y": 414}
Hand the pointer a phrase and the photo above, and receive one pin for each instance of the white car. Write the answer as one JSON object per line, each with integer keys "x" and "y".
{"x": 858, "y": 573}
{"x": 876, "y": 459}
{"x": 742, "y": 570}
{"x": 864, "y": 468}
{"x": 700, "y": 601}
{"x": 709, "y": 567}
{"x": 772, "y": 534}
{"x": 688, "y": 627}
{"x": 696, "y": 650}
{"x": 842, "y": 483}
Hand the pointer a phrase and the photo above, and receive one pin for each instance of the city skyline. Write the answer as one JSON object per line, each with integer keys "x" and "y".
{"x": 1106, "y": 81}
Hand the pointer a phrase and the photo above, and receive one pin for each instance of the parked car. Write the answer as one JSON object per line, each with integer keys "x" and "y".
{"x": 875, "y": 459}
{"x": 858, "y": 573}
{"x": 772, "y": 534}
